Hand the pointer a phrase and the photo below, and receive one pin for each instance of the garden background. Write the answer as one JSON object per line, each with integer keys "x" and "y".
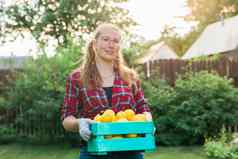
{"x": 194, "y": 106}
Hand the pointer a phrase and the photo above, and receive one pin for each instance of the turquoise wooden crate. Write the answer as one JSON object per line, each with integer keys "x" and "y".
{"x": 99, "y": 144}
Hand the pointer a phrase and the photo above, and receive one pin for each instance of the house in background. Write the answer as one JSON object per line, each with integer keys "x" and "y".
{"x": 12, "y": 62}
{"x": 218, "y": 38}
{"x": 158, "y": 51}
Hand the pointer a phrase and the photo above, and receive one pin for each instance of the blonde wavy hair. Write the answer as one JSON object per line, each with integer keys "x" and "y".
{"x": 90, "y": 75}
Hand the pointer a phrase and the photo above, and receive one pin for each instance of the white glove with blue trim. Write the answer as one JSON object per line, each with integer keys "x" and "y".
{"x": 148, "y": 116}
{"x": 84, "y": 131}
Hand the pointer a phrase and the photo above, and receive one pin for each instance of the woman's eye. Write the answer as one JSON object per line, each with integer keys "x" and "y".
{"x": 116, "y": 41}
{"x": 105, "y": 39}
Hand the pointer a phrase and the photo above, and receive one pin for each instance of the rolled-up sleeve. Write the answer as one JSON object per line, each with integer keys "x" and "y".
{"x": 71, "y": 99}
{"x": 141, "y": 104}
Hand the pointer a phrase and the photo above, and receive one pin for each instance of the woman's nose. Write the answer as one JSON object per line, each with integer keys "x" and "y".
{"x": 111, "y": 44}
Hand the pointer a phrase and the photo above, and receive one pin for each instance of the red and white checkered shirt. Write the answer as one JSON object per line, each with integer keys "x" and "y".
{"x": 87, "y": 103}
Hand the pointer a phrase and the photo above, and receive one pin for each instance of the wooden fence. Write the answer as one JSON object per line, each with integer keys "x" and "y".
{"x": 169, "y": 69}
{"x": 24, "y": 125}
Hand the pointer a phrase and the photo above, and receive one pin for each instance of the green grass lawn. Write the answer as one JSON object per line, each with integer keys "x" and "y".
{"x": 18, "y": 151}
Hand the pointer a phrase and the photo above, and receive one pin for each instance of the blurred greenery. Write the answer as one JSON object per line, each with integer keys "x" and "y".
{"x": 195, "y": 108}
{"x": 65, "y": 152}
{"x": 38, "y": 92}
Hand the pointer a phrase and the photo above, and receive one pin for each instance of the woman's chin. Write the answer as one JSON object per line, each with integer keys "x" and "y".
{"x": 109, "y": 58}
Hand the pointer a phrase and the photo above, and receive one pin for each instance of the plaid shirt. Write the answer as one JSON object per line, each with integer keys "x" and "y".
{"x": 87, "y": 103}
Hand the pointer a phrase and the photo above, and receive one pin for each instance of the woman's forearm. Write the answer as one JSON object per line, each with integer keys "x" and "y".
{"x": 70, "y": 123}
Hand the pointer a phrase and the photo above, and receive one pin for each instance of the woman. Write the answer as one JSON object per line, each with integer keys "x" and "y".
{"x": 102, "y": 82}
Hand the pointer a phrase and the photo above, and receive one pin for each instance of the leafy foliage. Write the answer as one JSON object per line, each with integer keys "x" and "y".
{"x": 62, "y": 19}
{"x": 133, "y": 52}
{"x": 207, "y": 12}
{"x": 179, "y": 43}
{"x": 217, "y": 150}
{"x": 38, "y": 93}
{"x": 198, "y": 106}
{"x": 220, "y": 148}
{"x": 7, "y": 134}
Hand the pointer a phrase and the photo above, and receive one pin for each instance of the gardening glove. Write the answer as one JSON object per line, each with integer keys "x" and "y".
{"x": 148, "y": 116}
{"x": 83, "y": 124}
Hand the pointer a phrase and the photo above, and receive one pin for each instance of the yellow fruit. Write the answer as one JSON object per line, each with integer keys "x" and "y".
{"x": 114, "y": 119}
{"x": 131, "y": 135}
{"x": 97, "y": 118}
{"x": 108, "y": 116}
{"x": 129, "y": 114}
{"x": 109, "y": 112}
{"x": 120, "y": 115}
{"x": 108, "y": 137}
{"x": 117, "y": 136}
{"x": 122, "y": 120}
{"x": 139, "y": 117}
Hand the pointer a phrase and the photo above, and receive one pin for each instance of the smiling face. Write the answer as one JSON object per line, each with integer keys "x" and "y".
{"x": 107, "y": 44}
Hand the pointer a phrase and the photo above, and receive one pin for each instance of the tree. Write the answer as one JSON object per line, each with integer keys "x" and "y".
{"x": 207, "y": 12}
{"x": 203, "y": 12}
{"x": 173, "y": 40}
{"x": 63, "y": 19}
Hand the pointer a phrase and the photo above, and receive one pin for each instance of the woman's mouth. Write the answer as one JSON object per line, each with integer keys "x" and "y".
{"x": 109, "y": 52}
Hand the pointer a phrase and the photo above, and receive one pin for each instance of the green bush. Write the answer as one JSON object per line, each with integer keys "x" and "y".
{"x": 205, "y": 102}
{"x": 38, "y": 92}
{"x": 196, "y": 107}
{"x": 7, "y": 134}
{"x": 217, "y": 150}
{"x": 3, "y": 104}
{"x": 221, "y": 147}
{"x": 234, "y": 152}
{"x": 158, "y": 94}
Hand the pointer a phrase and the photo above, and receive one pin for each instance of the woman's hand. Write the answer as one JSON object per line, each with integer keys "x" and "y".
{"x": 148, "y": 116}
{"x": 84, "y": 131}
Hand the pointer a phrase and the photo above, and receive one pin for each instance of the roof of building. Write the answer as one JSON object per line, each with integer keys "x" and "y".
{"x": 9, "y": 62}
{"x": 157, "y": 52}
{"x": 219, "y": 37}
